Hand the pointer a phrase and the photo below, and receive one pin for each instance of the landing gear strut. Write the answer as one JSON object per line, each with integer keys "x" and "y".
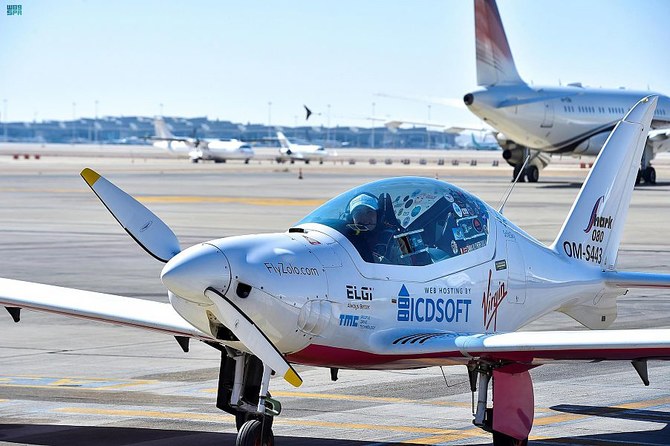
{"x": 511, "y": 419}
{"x": 243, "y": 391}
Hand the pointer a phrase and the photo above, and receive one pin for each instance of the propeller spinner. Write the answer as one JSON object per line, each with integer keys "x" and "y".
{"x": 196, "y": 273}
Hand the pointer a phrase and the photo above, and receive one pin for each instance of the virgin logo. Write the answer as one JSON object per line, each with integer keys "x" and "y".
{"x": 491, "y": 301}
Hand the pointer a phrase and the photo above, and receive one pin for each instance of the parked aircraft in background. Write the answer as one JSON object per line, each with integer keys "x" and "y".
{"x": 400, "y": 273}
{"x": 301, "y": 152}
{"x": 217, "y": 150}
{"x": 537, "y": 121}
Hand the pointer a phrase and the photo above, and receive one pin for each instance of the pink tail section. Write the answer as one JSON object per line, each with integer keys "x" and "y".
{"x": 495, "y": 65}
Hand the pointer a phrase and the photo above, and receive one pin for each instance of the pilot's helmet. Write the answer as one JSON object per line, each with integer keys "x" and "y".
{"x": 363, "y": 210}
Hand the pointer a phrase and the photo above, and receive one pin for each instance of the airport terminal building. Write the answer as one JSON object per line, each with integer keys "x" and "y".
{"x": 136, "y": 130}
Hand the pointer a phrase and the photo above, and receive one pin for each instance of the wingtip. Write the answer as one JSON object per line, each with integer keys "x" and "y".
{"x": 643, "y": 111}
{"x": 293, "y": 378}
{"x": 90, "y": 176}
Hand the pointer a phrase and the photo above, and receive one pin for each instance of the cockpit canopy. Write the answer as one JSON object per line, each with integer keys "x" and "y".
{"x": 407, "y": 220}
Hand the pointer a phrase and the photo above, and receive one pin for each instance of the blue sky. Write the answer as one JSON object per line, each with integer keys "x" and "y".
{"x": 228, "y": 59}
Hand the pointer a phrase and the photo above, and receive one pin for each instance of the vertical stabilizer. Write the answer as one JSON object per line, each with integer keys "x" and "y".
{"x": 161, "y": 129}
{"x": 495, "y": 65}
{"x": 283, "y": 141}
{"x": 592, "y": 231}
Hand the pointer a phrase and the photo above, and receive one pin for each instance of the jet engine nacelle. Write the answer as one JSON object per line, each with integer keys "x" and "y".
{"x": 592, "y": 145}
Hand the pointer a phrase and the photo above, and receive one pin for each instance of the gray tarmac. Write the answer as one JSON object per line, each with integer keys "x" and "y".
{"x": 64, "y": 381}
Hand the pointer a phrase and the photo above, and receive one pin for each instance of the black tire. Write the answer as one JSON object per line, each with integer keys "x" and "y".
{"x": 243, "y": 417}
{"x": 194, "y": 160}
{"x": 517, "y": 169}
{"x": 638, "y": 178}
{"x": 649, "y": 175}
{"x": 252, "y": 433}
{"x": 500, "y": 439}
{"x": 533, "y": 174}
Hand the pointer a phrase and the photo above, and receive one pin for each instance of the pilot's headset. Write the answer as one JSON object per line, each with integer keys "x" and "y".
{"x": 363, "y": 210}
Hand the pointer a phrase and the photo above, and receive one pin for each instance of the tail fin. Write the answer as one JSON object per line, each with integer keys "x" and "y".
{"x": 283, "y": 141}
{"x": 161, "y": 128}
{"x": 495, "y": 65}
{"x": 592, "y": 231}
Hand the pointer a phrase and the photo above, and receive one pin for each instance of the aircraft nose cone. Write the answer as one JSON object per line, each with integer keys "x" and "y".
{"x": 192, "y": 271}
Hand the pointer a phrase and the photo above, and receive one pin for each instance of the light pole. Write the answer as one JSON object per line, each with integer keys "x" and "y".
{"x": 269, "y": 118}
{"x": 373, "y": 126}
{"x": 4, "y": 117}
{"x": 95, "y": 124}
{"x": 161, "y": 104}
{"x": 328, "y": 129}
{"x": 427, "y": 130}
{"x": 74, "y": 114}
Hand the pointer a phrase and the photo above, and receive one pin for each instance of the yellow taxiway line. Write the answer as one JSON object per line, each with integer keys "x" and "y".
{"x": 229, "y": 418}
{"x": 255, "y": 201}
{"x": 429, "y": 435}
{"x": 43, "y": 382}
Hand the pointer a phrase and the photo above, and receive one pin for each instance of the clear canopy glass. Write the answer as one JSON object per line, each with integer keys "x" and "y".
{"x": 407, "y": 220}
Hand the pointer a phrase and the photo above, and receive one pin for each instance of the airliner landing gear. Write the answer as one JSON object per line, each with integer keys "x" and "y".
{"x": 532, "y": 173}
{"x": 647, "y": 172}
{"x": 243, "y": 392}
{"x": 649, "y": 175}
{"x": 511, "y": 419}
{"x": 517, "y": 169}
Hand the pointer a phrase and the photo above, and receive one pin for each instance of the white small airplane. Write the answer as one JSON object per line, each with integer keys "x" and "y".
{"x": 217, "y": 150}
{"x": 396, "y": 274}
{"x": 301, "y": 152}
{"x": 537, "y": 121}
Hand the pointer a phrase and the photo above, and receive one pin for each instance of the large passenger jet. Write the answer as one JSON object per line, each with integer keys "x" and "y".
{"x": 538, "y": 121}
{"x": 217, "y": 150}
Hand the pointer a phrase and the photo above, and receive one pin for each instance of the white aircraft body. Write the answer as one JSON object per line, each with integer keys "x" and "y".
{"x": 301, "y": 152}
{"x": 400, "y": 273}
{"x": 217, "y": 150}
{"x": 536, "y": 121}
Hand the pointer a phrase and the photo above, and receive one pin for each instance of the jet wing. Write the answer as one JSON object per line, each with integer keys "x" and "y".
{"x": 119, "y": 310}
{"x": 659, "y": 140}
{"x": 528, "y": 347}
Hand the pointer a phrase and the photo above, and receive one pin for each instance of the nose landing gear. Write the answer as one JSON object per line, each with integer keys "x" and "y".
{"x": 243, "y": 392}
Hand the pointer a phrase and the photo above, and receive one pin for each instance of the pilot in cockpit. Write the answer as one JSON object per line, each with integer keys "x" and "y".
{"x": 373, "y": 232}
{"x": 363, "y": 209}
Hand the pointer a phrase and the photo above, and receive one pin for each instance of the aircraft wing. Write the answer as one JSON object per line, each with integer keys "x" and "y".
{"x": 659, "y": 140}
{"x": 119, "y": 310}
{"x": 529, "y": 347}
{"x": 395, "y": 124}
{"x": 544, "y": 346}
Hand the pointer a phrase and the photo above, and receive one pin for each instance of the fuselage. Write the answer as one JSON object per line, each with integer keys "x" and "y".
{"x": 208, "y": 149}
{"x": 304, "y": 152}
{"x": 330, "y": 307}
{"x": 558, "y": 119}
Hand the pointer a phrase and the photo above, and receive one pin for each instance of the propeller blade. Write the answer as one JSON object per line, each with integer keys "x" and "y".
{"x": 252, "y": 337}
{"x": 149, "y": 231}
